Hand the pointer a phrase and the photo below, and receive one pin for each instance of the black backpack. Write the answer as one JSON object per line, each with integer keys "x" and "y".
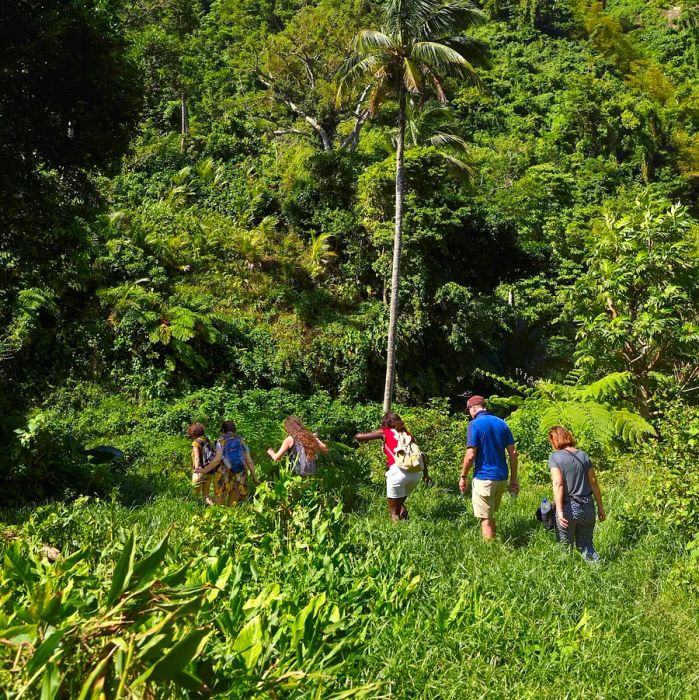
{"x": 207, "y": 452}
{"x": 546, "y": 514}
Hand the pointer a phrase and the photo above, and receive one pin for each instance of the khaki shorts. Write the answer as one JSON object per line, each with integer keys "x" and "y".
{"x": 486, "y": 495}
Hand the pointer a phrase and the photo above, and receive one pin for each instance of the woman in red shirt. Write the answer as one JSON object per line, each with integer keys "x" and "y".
{"x": 399, "y": 483}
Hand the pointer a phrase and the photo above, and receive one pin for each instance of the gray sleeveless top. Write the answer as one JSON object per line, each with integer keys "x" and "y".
{"x": 299, "y": 460}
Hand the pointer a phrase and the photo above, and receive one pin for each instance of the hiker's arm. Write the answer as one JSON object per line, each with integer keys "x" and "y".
{"x": 215, "y": 461}
{"x": 425, "y": 473}
{"x": 365, "y": 437}
{"x": 276, "y": 456}
{"x": 557, "y": 482}
{"x": 322, "y": 447}
{"x": 465, "y": 468}
{"x": 594, "y": 485}
{"x": 514, "y": 460}
{"x": 251, "y": 466}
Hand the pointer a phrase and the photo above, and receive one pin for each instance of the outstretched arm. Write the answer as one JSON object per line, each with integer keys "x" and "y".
{"x": 214, "y": 462}
{"x": 285, "y": 446}
{"x": 365, "y": 437}
{"x": 322, "y": 447}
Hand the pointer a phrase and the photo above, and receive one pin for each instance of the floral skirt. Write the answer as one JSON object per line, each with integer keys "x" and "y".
{"x": 230, "y": 488}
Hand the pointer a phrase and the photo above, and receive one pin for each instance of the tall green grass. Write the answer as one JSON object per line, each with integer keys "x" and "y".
{"x": 427, "y": 608}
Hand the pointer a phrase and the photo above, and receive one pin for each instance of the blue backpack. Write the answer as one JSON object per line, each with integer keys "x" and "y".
{"x": 234, "y": 450}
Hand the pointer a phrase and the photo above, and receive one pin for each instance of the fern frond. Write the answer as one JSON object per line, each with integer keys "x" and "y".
{"x": 589, "y": 419}
{"x": 632, "y": 428}
{"x": 609, "y": 388}
{"x": 506, "y": 382}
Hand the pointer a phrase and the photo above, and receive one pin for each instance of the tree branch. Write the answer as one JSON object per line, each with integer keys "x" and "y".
{"x": 279, "y": 97}
{"x": 296, "y": 132}
{"x": 361, "y": 115}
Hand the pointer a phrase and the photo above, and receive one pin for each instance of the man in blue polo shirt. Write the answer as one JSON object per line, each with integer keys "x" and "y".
{"x": 489, "y": 437}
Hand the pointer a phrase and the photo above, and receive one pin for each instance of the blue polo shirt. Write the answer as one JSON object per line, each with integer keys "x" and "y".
{"x": 490, "y": 436}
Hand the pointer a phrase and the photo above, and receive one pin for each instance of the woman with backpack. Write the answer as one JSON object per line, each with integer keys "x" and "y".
{"x": 233, "y": 456}
{"x": 402, "y": 474}
{"x": 302, "y": 445}
{"x": 575, "y": 491}
{"x": 203, "y": 456}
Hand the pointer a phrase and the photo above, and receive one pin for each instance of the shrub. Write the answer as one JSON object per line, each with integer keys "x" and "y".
{"x": 673, "y": 467}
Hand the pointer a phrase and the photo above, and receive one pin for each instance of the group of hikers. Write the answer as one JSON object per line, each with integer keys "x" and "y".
{"x": 489, "y": 447}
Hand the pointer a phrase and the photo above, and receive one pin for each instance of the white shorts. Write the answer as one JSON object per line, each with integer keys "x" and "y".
{"x": 400, "y": 483}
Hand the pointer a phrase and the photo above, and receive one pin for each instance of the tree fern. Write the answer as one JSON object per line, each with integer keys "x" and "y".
{"x": 598, "y": 414}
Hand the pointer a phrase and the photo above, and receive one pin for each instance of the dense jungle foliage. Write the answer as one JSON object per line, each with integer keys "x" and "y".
{"x": 197, "y": 223}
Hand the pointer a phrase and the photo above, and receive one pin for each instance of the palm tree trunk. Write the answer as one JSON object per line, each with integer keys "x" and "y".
{"x": 184, "y": 116}
{"x": 395, "y": 276}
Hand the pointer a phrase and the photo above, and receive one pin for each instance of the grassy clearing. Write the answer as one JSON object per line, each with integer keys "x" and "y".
{"x": 522, "y": 617}
{"x": 431, "y": 611}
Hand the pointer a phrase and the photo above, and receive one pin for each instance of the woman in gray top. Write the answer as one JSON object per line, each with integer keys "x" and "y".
{"x": 574, "y": 486}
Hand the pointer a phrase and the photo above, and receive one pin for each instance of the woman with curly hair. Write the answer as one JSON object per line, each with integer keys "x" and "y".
{"x": 399, "y": 483}
{"x": 203, "y": 456}
{"x": 302, "y": 445}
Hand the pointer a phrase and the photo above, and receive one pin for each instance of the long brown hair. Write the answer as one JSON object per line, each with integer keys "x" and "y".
{"x": 302, "y": 434}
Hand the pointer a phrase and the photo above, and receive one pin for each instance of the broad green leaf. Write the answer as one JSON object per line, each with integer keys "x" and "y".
{"x": 123, "y": 570}
{"x": 97, "y": 671}
{"x": 69, "y": 562}
{"x": 51, "y": 682}
{"x": 248, "y": 643}
{"x": 178, "y": 576}
{"x": 145, "y": 568}
{"x": 177, "y": 659}
{"x": 44, "y": 651}
{"x": 20, "y": 634}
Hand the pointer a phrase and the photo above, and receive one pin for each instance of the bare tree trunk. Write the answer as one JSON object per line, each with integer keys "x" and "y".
{"x": 395, "y": 277}
{"x": 184, "y": 129}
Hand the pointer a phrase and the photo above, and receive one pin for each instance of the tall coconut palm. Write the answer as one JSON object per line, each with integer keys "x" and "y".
{"x": 419, "y": 46}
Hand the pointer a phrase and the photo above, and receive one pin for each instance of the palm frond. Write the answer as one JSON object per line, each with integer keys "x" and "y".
{"x": 437, "y": 84}
{"x": 451, "y": 18}
{"x": 473, "y": 50}
{"x": 444, "y": 59}
{"x": 444, "y": 138}
{"x": 403, "y": 18}
{"x": 411, "y": 77}
{"x": 459, "y": 166}
{"x": 355, "y": 68}
{"x": 378, "y": 95}
{"x": 368, "y": 41}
